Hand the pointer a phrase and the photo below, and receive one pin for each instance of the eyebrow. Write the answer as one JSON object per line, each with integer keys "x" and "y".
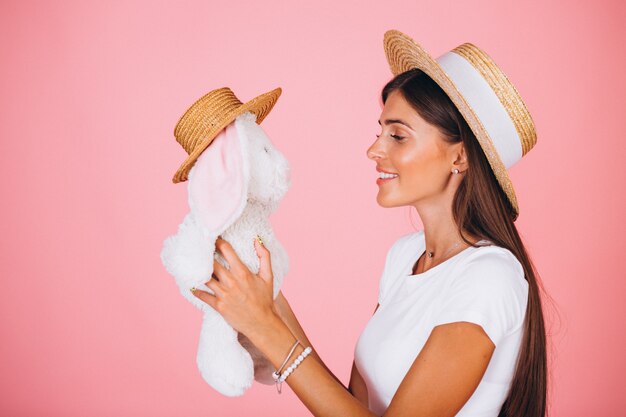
{"x": 391, "y": 121}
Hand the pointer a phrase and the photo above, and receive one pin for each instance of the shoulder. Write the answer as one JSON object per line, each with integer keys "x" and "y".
{"x": 488, "y": 288}
{"x": 493, "y": 256}
{"x": 495, "y": 268}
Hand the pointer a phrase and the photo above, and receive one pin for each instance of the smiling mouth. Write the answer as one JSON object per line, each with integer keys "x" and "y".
{"x": 385, "y": 175}
{"x": 385, "y": 178}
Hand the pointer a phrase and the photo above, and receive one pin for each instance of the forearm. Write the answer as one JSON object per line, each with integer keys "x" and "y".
{"x": 317, "y": 388}
{"x": 286, "y": 314}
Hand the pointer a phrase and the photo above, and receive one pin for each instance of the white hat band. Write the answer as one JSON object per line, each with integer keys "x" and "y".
{"x": 485, "y": 103}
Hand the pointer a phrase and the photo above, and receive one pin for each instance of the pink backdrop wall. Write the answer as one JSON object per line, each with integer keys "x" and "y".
{"x": 91, "y": 322}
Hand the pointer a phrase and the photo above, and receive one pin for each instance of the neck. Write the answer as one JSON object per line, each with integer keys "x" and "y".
{"x": 440, "y": 230}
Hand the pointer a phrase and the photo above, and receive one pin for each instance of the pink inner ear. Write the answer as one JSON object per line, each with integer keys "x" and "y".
{"x": 217, "y": 185}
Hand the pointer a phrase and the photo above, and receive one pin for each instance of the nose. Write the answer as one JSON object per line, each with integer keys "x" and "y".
{"x": 374, "y": 151}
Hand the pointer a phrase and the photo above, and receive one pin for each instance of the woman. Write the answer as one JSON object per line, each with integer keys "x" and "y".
{"x": 458, "y": 329}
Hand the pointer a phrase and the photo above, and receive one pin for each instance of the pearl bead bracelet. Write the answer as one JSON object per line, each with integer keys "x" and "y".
{"x": 280, "y": 378}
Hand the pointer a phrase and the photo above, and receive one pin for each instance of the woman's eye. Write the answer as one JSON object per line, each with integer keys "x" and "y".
{"x": 396, "y": 137}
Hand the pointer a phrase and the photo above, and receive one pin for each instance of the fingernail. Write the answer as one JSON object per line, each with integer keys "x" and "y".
{"x": 192, "y": 289}
{"x": 259, "y": 239}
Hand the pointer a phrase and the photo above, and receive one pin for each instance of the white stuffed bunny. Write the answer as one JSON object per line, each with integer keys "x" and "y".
{"x": 234, "y": 185}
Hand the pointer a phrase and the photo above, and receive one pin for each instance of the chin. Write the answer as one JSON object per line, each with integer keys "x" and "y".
{"x": 386, "y": 202}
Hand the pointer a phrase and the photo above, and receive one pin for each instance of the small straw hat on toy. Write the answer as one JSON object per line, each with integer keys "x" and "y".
{"x": 209, "y": 115}
{"x": 485, "y": 97}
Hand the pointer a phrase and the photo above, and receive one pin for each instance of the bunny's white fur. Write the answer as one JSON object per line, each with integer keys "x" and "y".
{"x": 226, "y": 359}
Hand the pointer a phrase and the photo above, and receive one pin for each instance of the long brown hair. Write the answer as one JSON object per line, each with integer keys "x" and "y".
{"x": 481, "y": 207}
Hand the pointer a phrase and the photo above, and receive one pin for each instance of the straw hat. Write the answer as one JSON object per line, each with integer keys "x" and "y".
{"x": 483, "y": 94}
{"x": 211, "y": 113}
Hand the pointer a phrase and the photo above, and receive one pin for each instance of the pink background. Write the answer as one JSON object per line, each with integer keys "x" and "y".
{"x": 91, "y": 322}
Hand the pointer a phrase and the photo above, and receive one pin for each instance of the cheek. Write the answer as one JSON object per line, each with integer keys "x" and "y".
{"x": 412, "y": 165}
{"x": 418, "y": 170}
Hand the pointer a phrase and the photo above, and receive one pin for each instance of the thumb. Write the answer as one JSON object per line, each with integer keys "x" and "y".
{"x": 265, "y": 264}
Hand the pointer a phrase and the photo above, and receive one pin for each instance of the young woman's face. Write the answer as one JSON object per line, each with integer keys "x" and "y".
{"x": 413, "y": 150}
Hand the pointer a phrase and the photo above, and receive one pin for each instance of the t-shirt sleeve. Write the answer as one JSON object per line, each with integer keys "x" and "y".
{"x": 387, "y": 277}
{"x": 490, "y": 291}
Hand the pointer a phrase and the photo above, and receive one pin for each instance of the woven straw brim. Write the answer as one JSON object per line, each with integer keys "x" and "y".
{"x": 221, "y": 108}
{"x": 404, "y": 54}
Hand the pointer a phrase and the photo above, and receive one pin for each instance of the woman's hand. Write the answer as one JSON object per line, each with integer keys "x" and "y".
{"x": 281, "y": 306}
{"x": 244, "y": 299}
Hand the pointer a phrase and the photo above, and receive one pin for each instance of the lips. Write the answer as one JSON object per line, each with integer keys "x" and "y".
{"x": 385, "y": 175}
{"x": 386, "y": 172}
{"x": 388, "y": 176}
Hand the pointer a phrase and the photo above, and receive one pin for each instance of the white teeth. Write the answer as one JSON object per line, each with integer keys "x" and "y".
{"x": 385, "y": 175}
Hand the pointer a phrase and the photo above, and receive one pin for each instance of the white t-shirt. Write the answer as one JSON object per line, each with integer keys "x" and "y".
{"x": 483, "y": 285}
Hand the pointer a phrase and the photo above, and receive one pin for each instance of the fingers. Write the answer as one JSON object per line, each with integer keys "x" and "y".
{"x": 228, "y": 253}
{"x": 221, "y": 273}
{"x": 215, "y": 284}
{"x": 216, "y": 287}
{"x": 265, "y": 263}
{"x": 207, "y": 297}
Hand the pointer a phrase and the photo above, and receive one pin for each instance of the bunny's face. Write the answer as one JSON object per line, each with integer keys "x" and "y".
{"x": 269, "y": 169}
{"x": 240, "y": 167}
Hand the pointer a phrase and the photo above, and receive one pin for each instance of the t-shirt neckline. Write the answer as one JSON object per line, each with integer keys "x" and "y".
{"x": 437, "y": 267}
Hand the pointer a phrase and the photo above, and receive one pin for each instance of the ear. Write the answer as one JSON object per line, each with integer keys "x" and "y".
{"x": 459, "y": 156}
{"x": 218, "y": 181}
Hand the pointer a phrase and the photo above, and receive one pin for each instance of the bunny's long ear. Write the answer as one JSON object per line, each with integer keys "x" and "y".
{"x": 218, "y": 181}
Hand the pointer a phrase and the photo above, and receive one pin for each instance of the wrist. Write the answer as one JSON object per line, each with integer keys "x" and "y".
{"x": 273, "y": 334}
